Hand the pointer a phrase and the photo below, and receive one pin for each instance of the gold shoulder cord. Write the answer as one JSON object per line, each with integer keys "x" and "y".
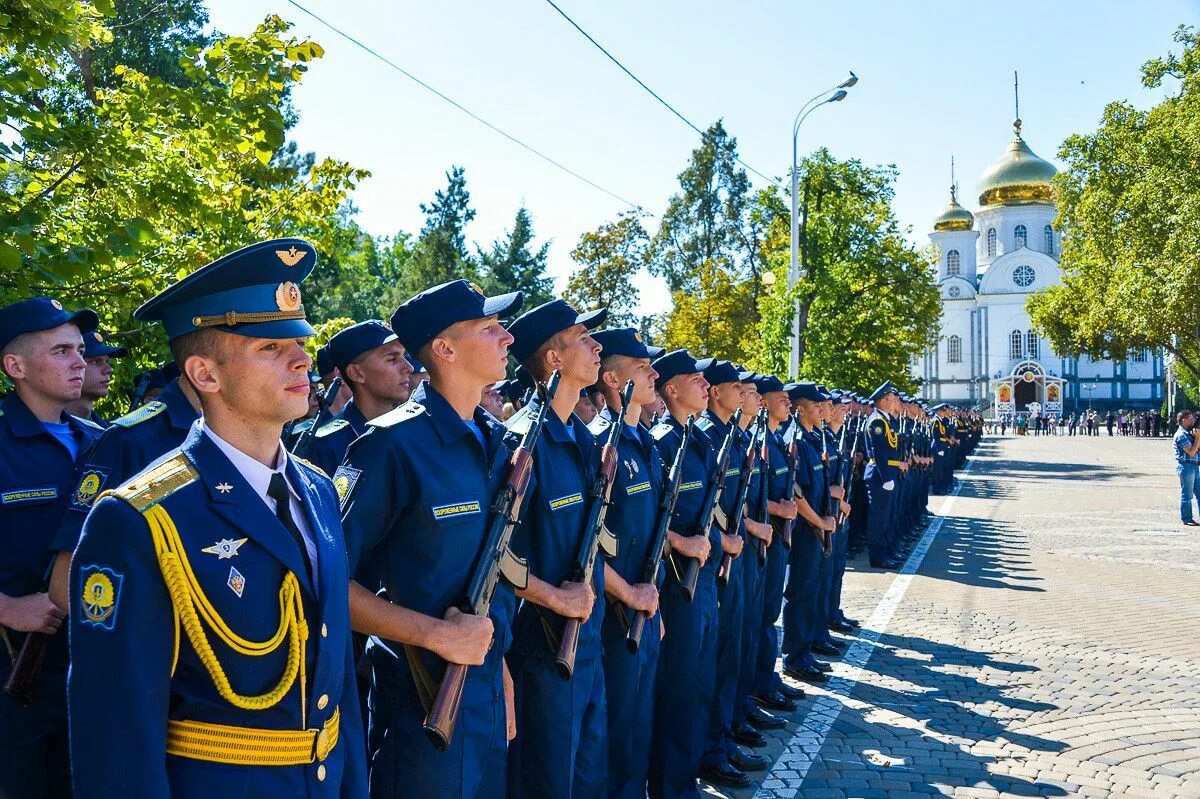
{"x": 892, "y": 439}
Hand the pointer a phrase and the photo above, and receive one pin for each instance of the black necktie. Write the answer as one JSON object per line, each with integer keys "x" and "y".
{"x": 278, "y": 491}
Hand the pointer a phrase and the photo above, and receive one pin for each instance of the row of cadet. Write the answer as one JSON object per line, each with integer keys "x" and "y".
{"x": 413, "y": 598}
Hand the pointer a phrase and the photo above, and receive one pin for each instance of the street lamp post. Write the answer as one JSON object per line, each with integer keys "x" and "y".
{"x": 834, "y": 95}
{"x": 1090, "y": 387}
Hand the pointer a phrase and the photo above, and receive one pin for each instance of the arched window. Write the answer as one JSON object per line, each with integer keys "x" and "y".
{"x": 1031, "y": 344}
{"x": 1015, "y": 344}
{"x": 1048, "y": 235}
{"x": 991, "y": 242}
{"x": 953, "y": 263}
{"x": 1020, "y": 237}
{"x": 954, "y": 350}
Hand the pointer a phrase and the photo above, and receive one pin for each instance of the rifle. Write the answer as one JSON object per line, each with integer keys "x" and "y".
{"x": 826, "y": 536}
{"x": 793, "y": 454}
{"x": 22, "y": 680}
{"x": 658, "y": 541}
{"x": 849, "y": 456}
{"x": 596, "y": 535}
{"x": 708, "y": 509}
{"x": 739, "y": 508}
{"x": 324, "y": 400}
{"x": 496, "y": 561}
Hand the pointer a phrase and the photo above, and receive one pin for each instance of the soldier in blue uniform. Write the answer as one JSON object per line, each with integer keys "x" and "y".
{"x": 884, "y": 465}
{"x": 562, "y": 748}
{"x": 96, "y": 354}
{"x": 636, "y": 493}
{"x": 685, "y": 683}
{"x": 415, "y": 491}
{"x": 373, "y": 364}
{"x": 841, "y": 443}
{"x": 41, "y": 352}
{"x": 208, "y": 592}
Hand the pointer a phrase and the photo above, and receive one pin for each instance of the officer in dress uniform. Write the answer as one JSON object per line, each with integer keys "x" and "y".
{"x": 372, "y": 363}
{"x": 41, "y": 352}
{"x": 97, "y": 353}
{"x": 562, "y": 748}
{"x": 685, "y": 683}
{"x": 636, "y": 493}
{"x": 208, "y": 592}
{"x": 416, "y": 488}
{"x": 883, "y": 468}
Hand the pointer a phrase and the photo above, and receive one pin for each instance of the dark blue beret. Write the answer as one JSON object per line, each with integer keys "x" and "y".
{"x": 41, "y": 313}
{"x": 94, "y": 346}
{"x": 719, "y": 372}
{"x": 882, "y": 391}
{"x": 678, "y": 362}
{"x": 252, "y": 292}
{"x": 346, "y": 345}
{"x": 621, "y": 341}
{"x": 768, "y": 383}
{"x": 421, "y": 318}
{"x": 534, "y": 328}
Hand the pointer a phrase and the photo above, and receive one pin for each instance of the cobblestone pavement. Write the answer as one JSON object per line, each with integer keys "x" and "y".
{"x": 1047, "y": 645}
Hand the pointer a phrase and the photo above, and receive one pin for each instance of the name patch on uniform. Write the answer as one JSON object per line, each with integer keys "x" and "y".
{"x": 456, "y": 509}
{"x": 28, "y": 495}
{"x": 692, "y": 486}
{"x": 344, "y": 480}
{"x": 818, "y": 467}
{"x": 637, "y": 489}
{"x": 733, "y": 472}
{"x": 565, "y": 502}
{"x": 781, "y": 470}
{"x": 101, "y": 596}
{"x": 90, "y": 483}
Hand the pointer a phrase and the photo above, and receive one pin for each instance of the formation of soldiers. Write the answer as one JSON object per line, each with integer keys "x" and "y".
{"x": 419, "y": 600}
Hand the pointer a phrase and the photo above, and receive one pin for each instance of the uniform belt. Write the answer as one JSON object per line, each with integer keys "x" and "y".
{"x": 248, "y": 746}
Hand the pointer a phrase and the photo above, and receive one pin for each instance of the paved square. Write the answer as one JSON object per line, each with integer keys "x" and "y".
{"x": 1048, "y": 645}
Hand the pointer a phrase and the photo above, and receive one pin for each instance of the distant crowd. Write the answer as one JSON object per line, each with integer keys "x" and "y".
{"x": 1150, "y": 424}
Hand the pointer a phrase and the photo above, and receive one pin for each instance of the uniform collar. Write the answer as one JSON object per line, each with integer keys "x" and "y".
{"x": 24, "y": 424}
{"x": 258, "y": 475}
{"x": 351, "y": 414}
{"x": 633, "y": 433}
{"x": 179, "y": 410}
{"x": 446, "y": 422}
{"x": 721, "y": 427}
{"x": 555, "y": 428}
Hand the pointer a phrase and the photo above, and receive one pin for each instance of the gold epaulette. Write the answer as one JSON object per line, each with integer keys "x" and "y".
{"x": 309, "y": 464}
{"x": 157, "y": 483}
{"x": 139, "y": 415}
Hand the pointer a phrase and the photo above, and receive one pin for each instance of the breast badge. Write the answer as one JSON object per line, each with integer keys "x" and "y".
{"x": 226, "y": 548}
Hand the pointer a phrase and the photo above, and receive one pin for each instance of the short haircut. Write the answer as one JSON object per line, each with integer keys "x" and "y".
{"x": 206, "y": 343}
{"x": 533, "y": 364}
{"x": 20, "y": 345}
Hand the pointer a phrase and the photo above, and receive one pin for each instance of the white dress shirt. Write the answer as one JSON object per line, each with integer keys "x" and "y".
{"x": 259, "y": 478}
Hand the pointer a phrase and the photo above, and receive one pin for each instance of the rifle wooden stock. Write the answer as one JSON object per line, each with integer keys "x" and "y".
{"x": 739, "y": 507}
{"x": 22, "y": 681}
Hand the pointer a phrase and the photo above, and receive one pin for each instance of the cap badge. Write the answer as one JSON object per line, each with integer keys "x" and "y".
{"x": 57, "y": 305}
{"x": 287, "y": 296}
{"x": 475, "y": 288}
{"x": 98, "y": 337}
{"x": 637, "y": 337}
{"x": 291, "y": 256}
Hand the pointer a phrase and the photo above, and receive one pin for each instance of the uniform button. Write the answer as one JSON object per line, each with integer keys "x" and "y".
{"x": 321, "y": 773}
{"x": 323, "y": 701}
{"x": 324, "y": 630}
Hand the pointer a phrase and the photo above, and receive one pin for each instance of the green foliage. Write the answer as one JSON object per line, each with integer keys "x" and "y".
{"x": 440, "y": 254}
{"x": 511, "y": 265}
{"x": 1129, "y": 202}
{"x": 714, "y": 319}
{"x": 609, "y": 258}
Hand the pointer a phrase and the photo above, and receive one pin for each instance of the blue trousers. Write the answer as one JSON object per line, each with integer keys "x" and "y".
{"x": 753, "y": 573}
{"x": 879, "y": 519}
{"x": 800, "y": 592}
{"x": 33, "y": 742}
{"x": 629, "y": 691}
{"x": 766, "y": 679}
{"x": 1187, "y": 488}
{"x": 731, "y": 621}
{"x": 841, "y": 542}
{"x": 685, "y": 685}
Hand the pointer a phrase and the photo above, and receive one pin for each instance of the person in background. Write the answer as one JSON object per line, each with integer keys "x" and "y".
{"x": 96, "y": 355}
{"x": 1187, "y": 462}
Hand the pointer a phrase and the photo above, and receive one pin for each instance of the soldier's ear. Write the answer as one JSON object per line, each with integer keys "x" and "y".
{"x": 201, "y": 373}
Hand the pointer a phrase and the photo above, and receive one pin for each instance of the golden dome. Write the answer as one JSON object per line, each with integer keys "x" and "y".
{"x": 954, "y": 217}
{"x": 1018, "y": 178}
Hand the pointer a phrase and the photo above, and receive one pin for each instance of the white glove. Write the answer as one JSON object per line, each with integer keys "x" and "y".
{"x": 889, "y": 485}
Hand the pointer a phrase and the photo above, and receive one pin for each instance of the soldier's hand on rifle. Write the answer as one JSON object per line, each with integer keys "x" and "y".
{"x": 904, "y": 466}
{"x": 758, "y": 530}
{"x": 828, "y": 523}
{"x": 466, "y": 638}
{"x": 837, "y": 492}
{"x": 844, "y": 507}
{"x": 784, "y": 509}
{"x": 732, "y": 544}
{"x": 644, "y": 597}
{"x": 34, "y": 613}
{"x": 697, "y": 547}
{"x": 575, "y": 600}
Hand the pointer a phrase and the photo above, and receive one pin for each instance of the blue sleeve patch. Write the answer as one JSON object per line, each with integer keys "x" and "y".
{"x": 101, "y": 596}
{"x": 344, "y": 480}
{"x": 91, "y": 483}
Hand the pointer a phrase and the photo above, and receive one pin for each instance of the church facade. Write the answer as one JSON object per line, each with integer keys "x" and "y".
{"x": 988, "y": 356}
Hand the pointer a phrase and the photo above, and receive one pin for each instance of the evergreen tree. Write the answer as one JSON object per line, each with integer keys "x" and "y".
{"x": 609, "y": 257}
{"x": 511, "y": 265}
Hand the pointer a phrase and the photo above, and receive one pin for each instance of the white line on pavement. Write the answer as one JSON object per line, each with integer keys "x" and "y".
{"x": 802, "y": 749}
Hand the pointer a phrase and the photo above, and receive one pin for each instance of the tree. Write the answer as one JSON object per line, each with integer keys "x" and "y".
{"x": 609, "y": 258}
{"x": 510, "y": 265}
{"x": 1129, "y": 206}
{"x": 716, "y": 318}
{"x": 441, "y": 251}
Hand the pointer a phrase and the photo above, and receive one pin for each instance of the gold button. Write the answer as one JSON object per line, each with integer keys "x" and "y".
{"x": 324, "y": 630}
{"x": 321, "y": 773}
{"x": 323, "y": 701}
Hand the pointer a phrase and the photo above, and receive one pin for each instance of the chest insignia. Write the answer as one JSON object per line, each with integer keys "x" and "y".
{"x": 236, "y": 582}
{"x": 226, "y": 548}
{"x": 692, "y": 486}
{"x": 567, "y": 501}
{"x": 224, "y": 488}
{"x": 456, "y": 509}
{"x": 638, "y": 489}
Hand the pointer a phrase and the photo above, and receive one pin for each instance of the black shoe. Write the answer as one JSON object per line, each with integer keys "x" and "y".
{"x": 763, "y": 720}
{"x": 822, "y": 667}
{"x": 849, "y": 622}
{"x": 1192, "y": 523}
{"x": 805, "y": 674}
{"x": 840, "y": 627}
{"x": 826, "y": 649}
{"x": 748, "y": 736}
{"x": 749, "y": 761}
{"x": 791, "y": 692}
{"x": 776, "y": 701}
{"x": 886, "y": 564}
{"x": 725, "y": 775}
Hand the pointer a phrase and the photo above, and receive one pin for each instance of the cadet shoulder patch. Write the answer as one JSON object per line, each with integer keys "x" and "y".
{"x": 704, "y": 424}
{"x": 331, "y": 427}
{"x": 409, "y": 410}
{"x": 660, "y": 430}
{"x": 344, "y": 480}
{"x": 309, "y": 464}
{"x": 139, "y": 415}
{"x": 100, "y": 598}
{"x": 158, "y": 482}
{"x": 519, "y": 422}
{"x": 598, "y": 425}
{"x": 91, "y": 482}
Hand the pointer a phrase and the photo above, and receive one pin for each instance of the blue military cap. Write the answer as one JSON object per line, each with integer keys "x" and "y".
{"x": 421, "y": 318}
{"x": 161, "y": 377}
{"x": 882, "y": 391}
{"x": 534, "y": 328}
{"x": 346, "y": 345}
{"x": 655, "y": 352}
{"x": 621, "y": 341}
{"x": 94, "y": 346}
{"x": 767, "y": 383}
{"x": 678, "y": 362}
{"x": 719, "y": 372}
{"x": 523, "y": 378}
{"x": 512, "y": 390}
{"x": 938, "y": 407}
{"x": 254, "y": 291}
{"x": 806, "y": 391}
{"x": 745, "y": 375}
{"x": 414, "y": 363}
{"x": 313, "y": 377}
{"x": 41, "y": 313}
{"x": 324, "y": 364}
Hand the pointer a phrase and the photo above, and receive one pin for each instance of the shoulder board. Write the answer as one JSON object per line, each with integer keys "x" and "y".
{"x": 139, "y": 415}
{"x": 331, "y": 427}
{"x": 88, "y": 423}
{"x": 660, "y": 430}
{"x": 704, "y": 424}
{"x": 157, "y": 483}
{"x": 409, "y": 410}
{"x": 599, "y": 425}
{"x": 519, "y": 422}
{"x": 309, "y": 464}
{"x": 300, "y": 428}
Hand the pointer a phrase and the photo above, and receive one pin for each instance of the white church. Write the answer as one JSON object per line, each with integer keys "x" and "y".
{"x": 988, "y": 356}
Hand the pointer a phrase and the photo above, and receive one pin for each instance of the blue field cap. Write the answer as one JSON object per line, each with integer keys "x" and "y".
{"x": 721, "y": 372}
{"x": 882, "y": 391}
{"x": 324, "y": 364}
{"x": 421, "y": 318}
{"x": 678, "y": 362}
{"x": 621, "y": 341}
{"x": 768, "y": 383}
{"x": 534, "y": 328}
{"x": 655, "y": 352}
{"x": 806, "y": 391}
{"x": 94, "y": 346}
{"x": 415, "y": 364}
{"x": 252, "y": 292}
{"x": 41, "y": 313}
{"x": 346, "y": 345}
{"x": 938, "y": 407}
{"x": 745, "y": 375}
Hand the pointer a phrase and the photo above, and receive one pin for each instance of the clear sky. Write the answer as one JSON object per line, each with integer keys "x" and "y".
{"x": 935, "y": 80}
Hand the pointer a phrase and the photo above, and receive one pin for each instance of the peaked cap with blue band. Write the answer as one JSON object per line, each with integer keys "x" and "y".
{"x": 254, "y": 291}
{"x": 621, "y": 341}
{"x": 882, "y": 391}
{"x": 347, "y": 344}
{"x": 422, "y": 317}
{"x": 534, "y": 328}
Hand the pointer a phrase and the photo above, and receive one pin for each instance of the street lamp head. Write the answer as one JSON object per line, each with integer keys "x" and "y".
{"x": 848, "y": 82}
{"x": 841, "y": 95}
